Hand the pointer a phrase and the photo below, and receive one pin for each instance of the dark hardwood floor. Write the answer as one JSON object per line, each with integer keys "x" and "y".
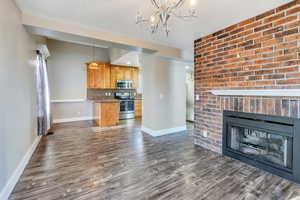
{"x": 76, "y": 163}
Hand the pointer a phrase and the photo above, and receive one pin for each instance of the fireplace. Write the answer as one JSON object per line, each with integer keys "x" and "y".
{"x": 270, "y": 143}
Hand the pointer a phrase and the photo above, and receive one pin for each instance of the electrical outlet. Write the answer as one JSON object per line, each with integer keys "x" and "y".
{"x": 197, "y": 97}
{"x": 205, "y": 133}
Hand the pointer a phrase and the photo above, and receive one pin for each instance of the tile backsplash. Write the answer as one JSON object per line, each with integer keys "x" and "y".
{"x": 94, "y": 94}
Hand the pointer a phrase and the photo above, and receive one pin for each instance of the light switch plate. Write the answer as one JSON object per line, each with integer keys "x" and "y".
{"x": 205, "y": 133}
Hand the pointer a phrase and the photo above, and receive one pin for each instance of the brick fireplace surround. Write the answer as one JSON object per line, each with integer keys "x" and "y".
{"x": 259, "y": 53}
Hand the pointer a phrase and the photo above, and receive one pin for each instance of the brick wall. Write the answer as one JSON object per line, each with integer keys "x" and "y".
{"x": 262, "y": 52}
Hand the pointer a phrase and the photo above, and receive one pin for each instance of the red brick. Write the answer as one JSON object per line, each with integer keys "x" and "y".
{"x": 293, "y": 75}
{"x": 287, "y": 45}
{"x": 292, "y": 25}
{"x": 258, "y": 83}
{"x": 253, "y": 36}
{"x": 285, "y": 33}
{"x": 236, "y": 31}
{"x": 273, "y": 18}
{"x": 253, "y": 46}
{"x": 245, "y": 22}
{"x": 293, "y": 37}
{"x": 263, "y": 27}
{"x": 293, "y": 10}
{"x": 272, "y": 42}
{"x": 230, "y": 28}
{"x": 264, "y": 38}
{"x": 285, "y": 20}
{"x": 274, "y": 76}
{"x": 288, "y": 69}
{"x": 253, "y": 25}
{"x": 252, "y": 78}
{"x": 266, "y": 14}
{"x": 286, "y": 57}
{"x": 273, "y": 30}
{"x": 288, "y": 82}
{"x": 286, "y": 6}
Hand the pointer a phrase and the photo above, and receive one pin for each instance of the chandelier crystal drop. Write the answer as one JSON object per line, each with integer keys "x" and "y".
{"x": 164, "y": 10}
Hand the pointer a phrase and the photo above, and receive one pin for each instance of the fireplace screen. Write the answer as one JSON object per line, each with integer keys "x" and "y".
{"x": 267, "y": 142}
{"x": 264, "y": 146}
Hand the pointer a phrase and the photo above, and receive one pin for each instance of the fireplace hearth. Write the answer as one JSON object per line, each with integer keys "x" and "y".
{"x": 267, "y": 142}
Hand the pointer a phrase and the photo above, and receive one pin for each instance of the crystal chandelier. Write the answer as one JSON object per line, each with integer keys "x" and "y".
{"x": 164, "y": 10}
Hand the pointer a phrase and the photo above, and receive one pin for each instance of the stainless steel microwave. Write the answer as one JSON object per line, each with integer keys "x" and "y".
{"x": 124, "y": 84}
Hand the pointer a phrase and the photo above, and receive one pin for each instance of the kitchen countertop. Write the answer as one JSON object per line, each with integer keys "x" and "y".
{"x": 105, "y": 101}
{"x": 111, "y": 100}
{"x": 138, "y": 98}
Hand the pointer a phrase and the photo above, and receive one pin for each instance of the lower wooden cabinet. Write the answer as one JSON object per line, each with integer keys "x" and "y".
{"x": 138, "y": 108}
{"x": 106, "y": 113}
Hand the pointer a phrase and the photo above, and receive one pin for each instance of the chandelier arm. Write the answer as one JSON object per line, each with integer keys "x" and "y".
{"x": 184, "y": 17}
{"x": 154, "y": 2}
{"x": 179, "y": 4}
{"x": 142, "y": 21}
{"x": 163, "y": 12}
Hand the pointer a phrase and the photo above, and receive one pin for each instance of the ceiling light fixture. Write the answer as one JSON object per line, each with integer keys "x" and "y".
{"x": 164, "y": 10}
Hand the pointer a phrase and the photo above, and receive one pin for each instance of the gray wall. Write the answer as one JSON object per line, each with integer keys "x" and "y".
{"x": 17, "y": 86}
{"x": 164, "y": 104}
{"x": 67, "y": 77}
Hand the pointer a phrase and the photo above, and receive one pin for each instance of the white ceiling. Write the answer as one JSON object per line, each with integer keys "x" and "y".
{"x": 118, "y": 16}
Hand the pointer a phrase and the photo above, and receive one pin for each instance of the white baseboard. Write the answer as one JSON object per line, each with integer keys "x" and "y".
{"x": 12, "y": 181}
{"x": 157, "y": 133}
{"x": 74, "y": 119}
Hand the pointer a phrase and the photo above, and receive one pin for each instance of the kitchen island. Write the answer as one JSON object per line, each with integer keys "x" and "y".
{"x": 106, "y": 112}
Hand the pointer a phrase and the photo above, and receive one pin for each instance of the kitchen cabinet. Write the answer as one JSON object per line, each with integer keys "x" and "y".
{"x": 124, "y": 73}
{"x": 138, "y": 108}
{"x": 106, "y": 113}
{"x": 98, "y": 75}
{"x": 115, "y": 75}
{"x": 135, "y": 77}
{"x": 104, "y": 75}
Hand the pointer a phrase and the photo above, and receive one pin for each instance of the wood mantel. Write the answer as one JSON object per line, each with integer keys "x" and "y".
{"x": 271, "y": 93}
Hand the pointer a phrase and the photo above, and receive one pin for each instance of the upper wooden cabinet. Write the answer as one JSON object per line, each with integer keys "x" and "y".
{"x": 124, "y": 73}
{"x": 104, "y": 75}
{"x": 135, "y": 77}
{"x": 98, "y": 75}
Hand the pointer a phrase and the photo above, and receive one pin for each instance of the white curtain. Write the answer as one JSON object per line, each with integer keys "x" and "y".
{"x": 43, "y": 94}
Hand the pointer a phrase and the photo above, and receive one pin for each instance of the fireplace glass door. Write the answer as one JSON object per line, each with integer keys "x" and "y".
{"x": 261, "y": 145}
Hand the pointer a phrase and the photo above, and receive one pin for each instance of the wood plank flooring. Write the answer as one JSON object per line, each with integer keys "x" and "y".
{"x": 125, "y": 164}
